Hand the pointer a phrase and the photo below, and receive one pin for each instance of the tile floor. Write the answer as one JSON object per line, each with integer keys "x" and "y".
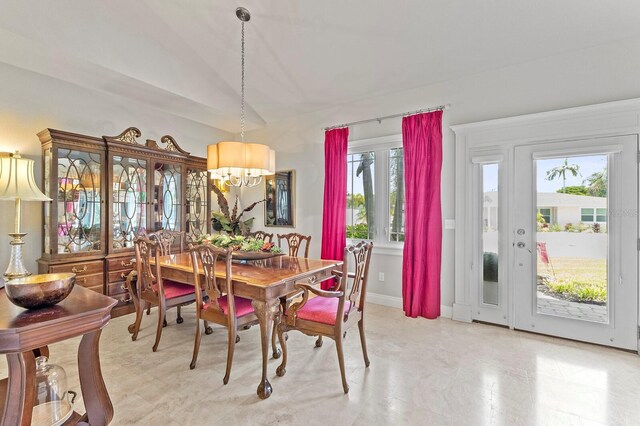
{"x": 422, "y": 373}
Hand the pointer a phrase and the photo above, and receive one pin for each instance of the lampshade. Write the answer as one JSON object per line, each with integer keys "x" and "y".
{"x": 16, "y": 180}
{"x": 212, "y": 157}
{"x": 231, "y": 155}
{"x": 272, "y": 161}
{"x": 257, "y": 158}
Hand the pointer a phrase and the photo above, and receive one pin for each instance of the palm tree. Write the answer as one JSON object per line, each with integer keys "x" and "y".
{"x": 597, "y": 184}
{"x": 364, "y": 168}
{"x": 561, "y": 171}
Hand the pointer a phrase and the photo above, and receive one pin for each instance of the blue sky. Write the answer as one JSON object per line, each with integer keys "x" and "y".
{"x": 588, "y": 165}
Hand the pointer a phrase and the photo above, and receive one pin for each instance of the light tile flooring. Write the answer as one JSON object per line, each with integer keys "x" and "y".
{"x": 422, "y": 373}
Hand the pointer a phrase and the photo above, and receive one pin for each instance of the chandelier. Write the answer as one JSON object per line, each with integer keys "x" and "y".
{"x": 240, "y": 163}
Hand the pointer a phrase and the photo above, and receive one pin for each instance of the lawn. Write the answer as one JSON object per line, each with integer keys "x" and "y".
{"x": 576, "y": 279}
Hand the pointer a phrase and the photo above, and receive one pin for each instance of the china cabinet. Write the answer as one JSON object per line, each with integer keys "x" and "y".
{"x": 108, "y": 190}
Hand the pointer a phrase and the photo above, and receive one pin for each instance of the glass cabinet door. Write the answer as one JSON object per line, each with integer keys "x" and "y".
{"x": 129, "y": 200}
{"x": 196, "y": 197}
{"x": 167, "y": 204}
{"x": 78, "y": 201}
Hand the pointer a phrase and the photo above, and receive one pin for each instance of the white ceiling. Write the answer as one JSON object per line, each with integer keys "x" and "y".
{"x": 183, "y": 57}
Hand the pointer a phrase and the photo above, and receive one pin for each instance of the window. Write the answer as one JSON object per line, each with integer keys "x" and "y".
{"x": 375, "y": 191}
{"x": 587, "y": 215}
{"x": 396, "y": 195}
{"x": 361, "y": 195}
{"x": 545, "y": 214}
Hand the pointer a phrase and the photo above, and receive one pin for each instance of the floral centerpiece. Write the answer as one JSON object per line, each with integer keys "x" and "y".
{"x": 239, "y": 243}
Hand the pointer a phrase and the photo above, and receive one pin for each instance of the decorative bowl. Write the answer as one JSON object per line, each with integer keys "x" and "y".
{"x": 39, "y": 291}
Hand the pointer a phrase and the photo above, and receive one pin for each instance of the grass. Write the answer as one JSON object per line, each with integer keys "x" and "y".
{"x": 576, "y": 279}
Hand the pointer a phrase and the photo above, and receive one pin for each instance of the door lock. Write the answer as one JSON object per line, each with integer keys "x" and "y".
{"x": 520, "y": 244}
{"x": 520, "y": 231}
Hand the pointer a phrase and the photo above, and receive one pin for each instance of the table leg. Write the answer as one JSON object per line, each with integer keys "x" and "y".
{"x": 265, "y": 311}
{"x": 21, "y": 389}
{"x": 94, "y": 392}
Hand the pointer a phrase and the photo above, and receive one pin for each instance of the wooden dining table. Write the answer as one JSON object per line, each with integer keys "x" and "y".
{"x": 263, "y": 281}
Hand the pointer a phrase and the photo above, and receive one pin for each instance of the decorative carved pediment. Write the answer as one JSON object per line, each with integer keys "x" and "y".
{"x": 128, "y": 136}
{"x": 172, "y": 145}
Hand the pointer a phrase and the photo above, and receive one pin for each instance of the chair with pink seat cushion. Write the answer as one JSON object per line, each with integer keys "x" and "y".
{"x": 331, "y": 313}
{"x": 168, "y": 242}
{"x": 222, "y": 306}
{"x": 153, "y": 290}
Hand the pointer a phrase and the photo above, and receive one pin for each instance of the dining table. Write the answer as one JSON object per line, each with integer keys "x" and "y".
{"x": 263, "y": 281}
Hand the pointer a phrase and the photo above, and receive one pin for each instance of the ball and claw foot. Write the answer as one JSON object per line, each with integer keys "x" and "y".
{"x": 131, "y": 328}
{"x": 280, "y": 371}
{"x": 237, "y": 339}
{"x": 319, "y": 342}
{"x": 179, "y": 320}
{"x": 208, "y": 330}
{"x": 246, "y": 327}
{"x": 276, "y": 353}
{"x": 164, "y": 322}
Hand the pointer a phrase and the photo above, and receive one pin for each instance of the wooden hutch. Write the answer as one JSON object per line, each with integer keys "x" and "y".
{"x": 108, "y": 190}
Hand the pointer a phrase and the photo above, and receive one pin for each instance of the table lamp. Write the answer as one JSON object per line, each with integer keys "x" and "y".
{"x": 17, "y": 184}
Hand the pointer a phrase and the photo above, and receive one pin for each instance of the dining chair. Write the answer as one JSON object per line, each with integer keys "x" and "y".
{"x": 261, "y": 235}
{"x": 152, "y": 289}
{"x": 168, "y": 242}
{"x": 294, "y": 242}
{"x": 331, "y": 313}
{"x": 221, "y": 307}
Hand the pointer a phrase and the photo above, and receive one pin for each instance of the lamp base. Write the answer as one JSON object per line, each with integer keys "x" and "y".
{"x": 16, "y": 268}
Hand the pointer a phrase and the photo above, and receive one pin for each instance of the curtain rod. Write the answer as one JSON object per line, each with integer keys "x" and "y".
{"x": 379, "y": 119}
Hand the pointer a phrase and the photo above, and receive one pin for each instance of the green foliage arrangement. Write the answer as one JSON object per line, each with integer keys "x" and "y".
{"x": 238, "y": 243}
{"x": 231, "y": 223}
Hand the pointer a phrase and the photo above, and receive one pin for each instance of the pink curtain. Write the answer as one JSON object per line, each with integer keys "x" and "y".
{"x": 422, "y": 143}
{"x": 334, "y": 213}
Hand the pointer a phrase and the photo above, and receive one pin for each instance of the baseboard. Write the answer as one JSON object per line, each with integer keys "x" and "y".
{"x": 396, "y": 302}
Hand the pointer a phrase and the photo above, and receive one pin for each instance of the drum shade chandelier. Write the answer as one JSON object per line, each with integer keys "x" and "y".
{"x": 240, "y": 163}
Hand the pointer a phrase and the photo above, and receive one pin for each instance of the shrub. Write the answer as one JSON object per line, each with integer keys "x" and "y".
{"x": 490, "y": 266}
{"x": 359, "y": 231}
{"x": 596, "y": 228}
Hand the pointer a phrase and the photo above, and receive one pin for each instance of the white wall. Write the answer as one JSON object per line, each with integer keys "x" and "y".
{"x": 30, "y": 102}
{"x": 583, "y": 77}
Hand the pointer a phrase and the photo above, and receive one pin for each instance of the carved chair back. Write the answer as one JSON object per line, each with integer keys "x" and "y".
{"x": 148, "y": 274}
{"x": 295, "y": 241}
{"x": 167, "y": 241}
{"x": 261, "y": 235}
{"x": 204, "y": 258}
{"x": 360, "y": 254}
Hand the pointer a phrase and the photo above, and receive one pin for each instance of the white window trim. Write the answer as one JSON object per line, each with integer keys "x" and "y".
{"x": 381, "y": 147}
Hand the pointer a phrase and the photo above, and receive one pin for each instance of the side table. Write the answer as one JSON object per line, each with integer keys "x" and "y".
{"x": 83, "y": 313}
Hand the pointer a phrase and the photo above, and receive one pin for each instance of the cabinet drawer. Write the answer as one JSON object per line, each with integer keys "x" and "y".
{"x": 118, "y": 275}
{"x": 123, "y": 298}
{"x": 80, "y": 268}
{"x": 93, "y": 281}
{"x": 125, "y": 262}
{"x": 120, "y": 287}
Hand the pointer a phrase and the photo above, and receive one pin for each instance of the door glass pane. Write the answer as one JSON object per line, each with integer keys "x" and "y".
{"x": 167, "y": 204}
{"x": 129, "y": 200}
{"x": 490, "y": 249}
{"x": 78, "y": 201}
{"x": 572, "y": 250}
{"x": 196, "y": 221}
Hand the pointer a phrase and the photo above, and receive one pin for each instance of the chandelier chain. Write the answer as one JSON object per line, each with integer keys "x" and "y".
{"x": 242, "y": 89}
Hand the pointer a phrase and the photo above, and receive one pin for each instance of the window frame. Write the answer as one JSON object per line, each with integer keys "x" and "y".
{"x": 381, "y": 147}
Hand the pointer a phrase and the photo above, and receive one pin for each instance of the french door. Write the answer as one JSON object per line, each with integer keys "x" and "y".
{"x": 574, "y": 236}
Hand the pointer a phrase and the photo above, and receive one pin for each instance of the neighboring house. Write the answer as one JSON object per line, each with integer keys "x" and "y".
{"x": 555, "y": 208}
